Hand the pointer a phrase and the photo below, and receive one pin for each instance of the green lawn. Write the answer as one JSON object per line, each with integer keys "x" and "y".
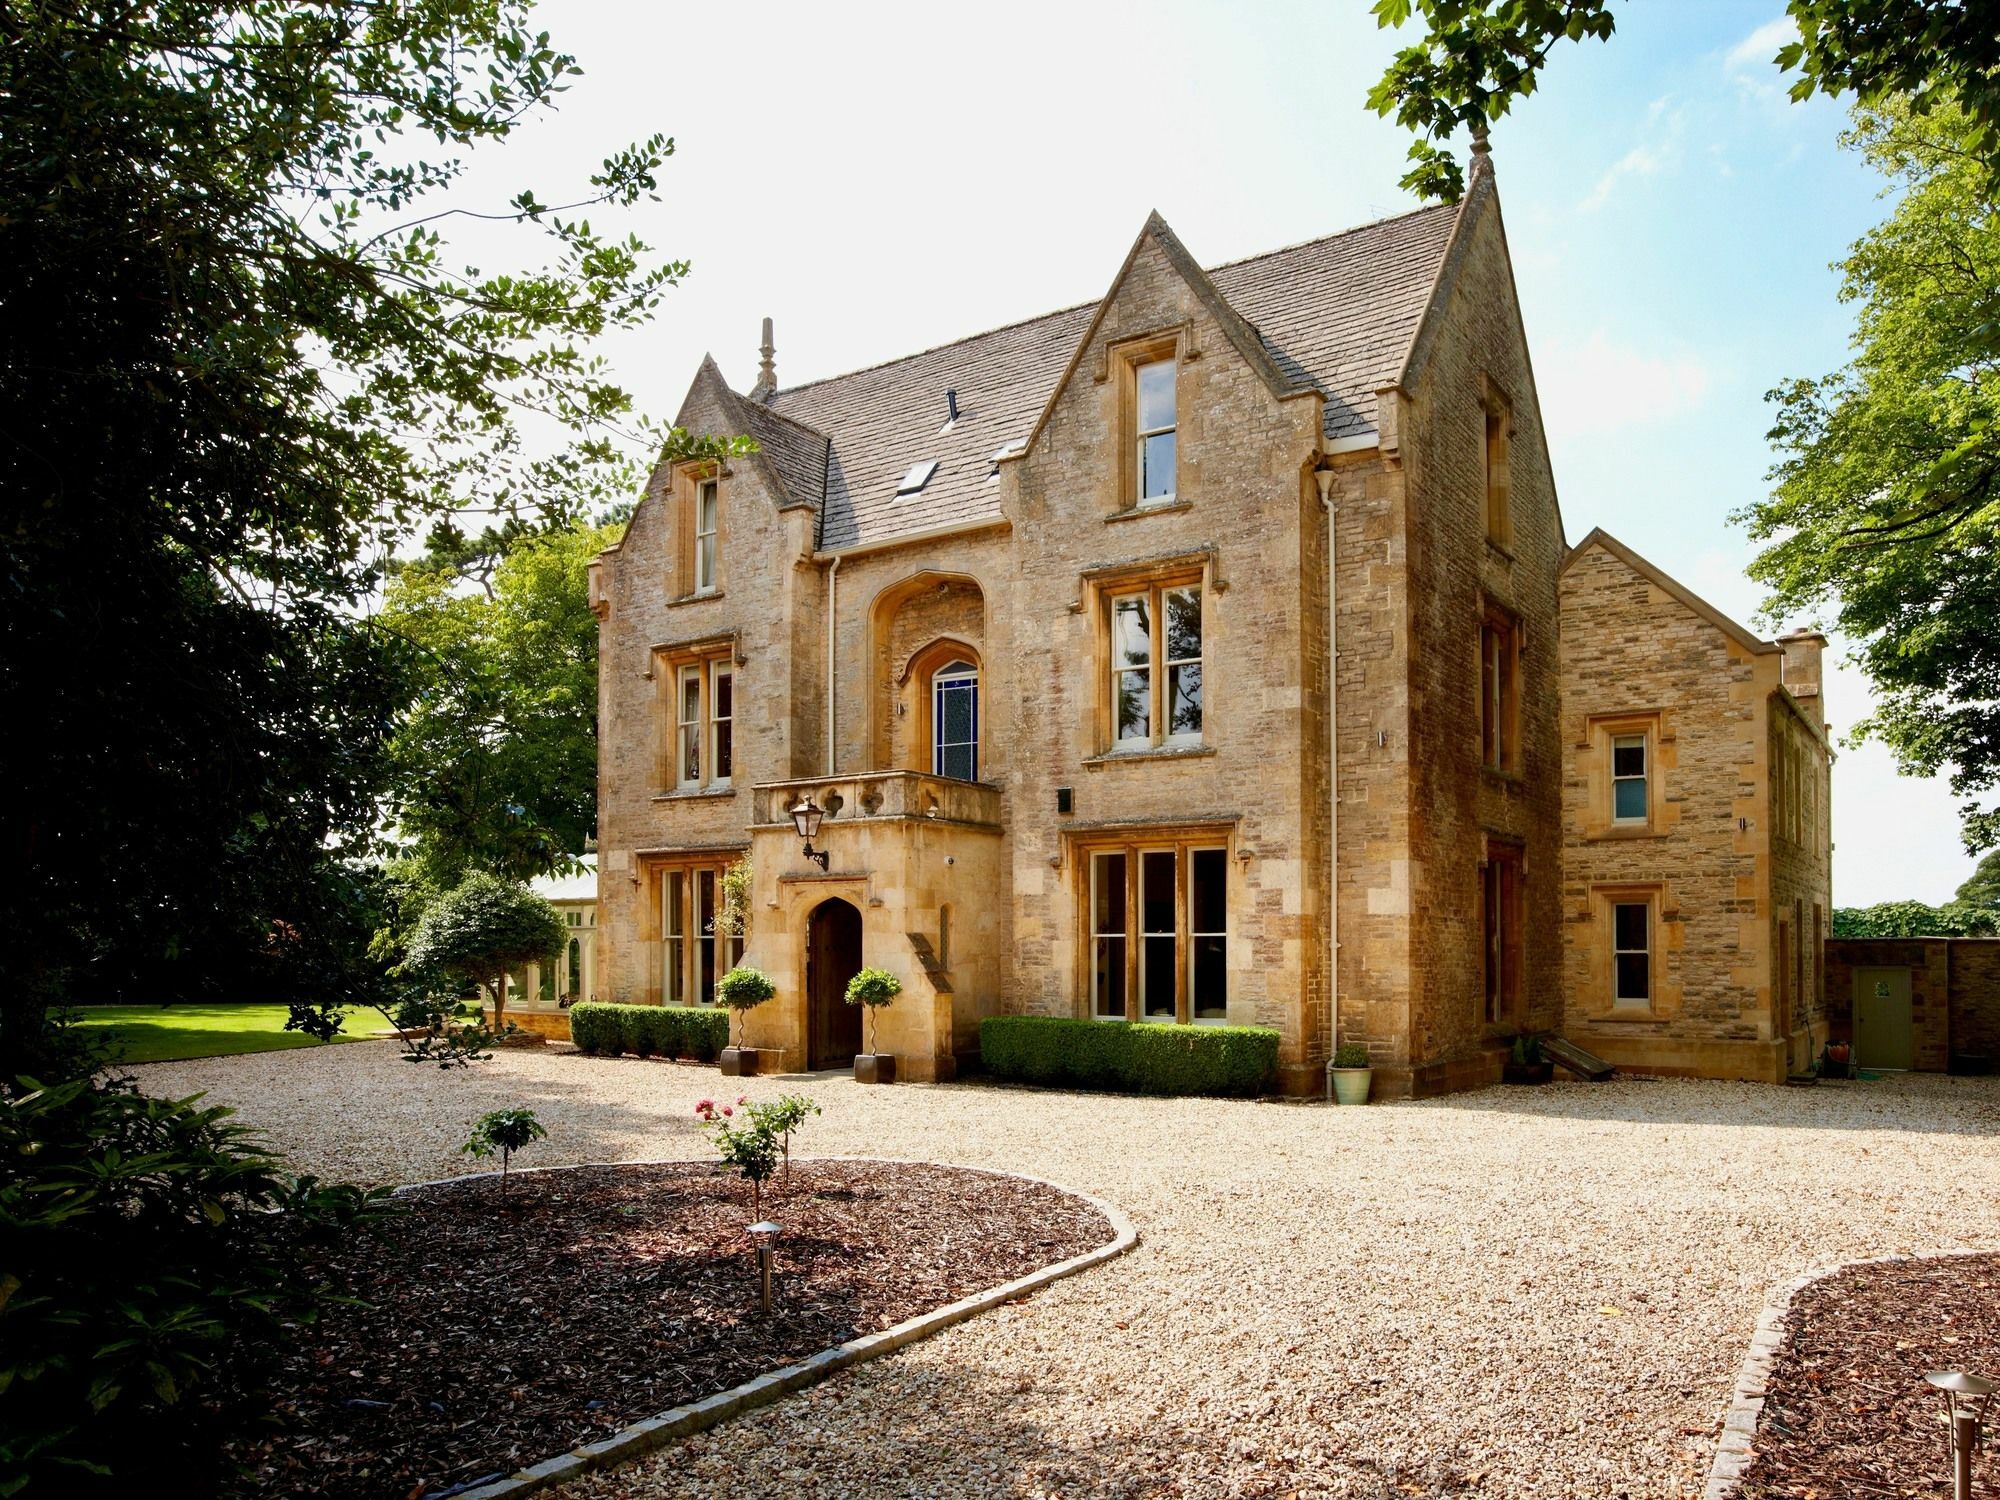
{"x": 169, "y": 1033}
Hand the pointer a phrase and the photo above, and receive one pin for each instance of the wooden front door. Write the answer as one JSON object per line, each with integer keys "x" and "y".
{"x": 833, "y": 956}
{"x": 1882, "y": 1032}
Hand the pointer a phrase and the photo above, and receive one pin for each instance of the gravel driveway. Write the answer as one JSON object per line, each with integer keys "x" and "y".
{"x": 1516, "y": 1292}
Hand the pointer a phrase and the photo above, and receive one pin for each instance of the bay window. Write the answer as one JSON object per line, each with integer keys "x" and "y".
{"x": 1157, "y": 929}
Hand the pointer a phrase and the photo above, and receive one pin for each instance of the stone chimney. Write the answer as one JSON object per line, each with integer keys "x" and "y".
{"x": 1802, "y": 675}
{"x": 767, "y": 368}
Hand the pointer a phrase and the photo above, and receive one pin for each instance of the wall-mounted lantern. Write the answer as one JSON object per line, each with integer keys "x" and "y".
{"x": 806, "y": 817}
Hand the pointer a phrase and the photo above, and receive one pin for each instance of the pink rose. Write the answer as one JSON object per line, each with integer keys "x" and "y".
{"x": 727, "y": 1111}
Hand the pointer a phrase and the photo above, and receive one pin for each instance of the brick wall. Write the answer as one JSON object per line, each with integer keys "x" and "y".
{"x": 1954, "y": 993}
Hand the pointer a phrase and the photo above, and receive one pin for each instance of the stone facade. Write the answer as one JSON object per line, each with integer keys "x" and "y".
{"x": 1730, "y": 851}
{"x": 1339, "y": 536}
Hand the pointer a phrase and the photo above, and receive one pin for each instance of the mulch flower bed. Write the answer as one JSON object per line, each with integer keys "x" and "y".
{"x": 501, "y": 1328}
{"x": 1848, "y": 1413}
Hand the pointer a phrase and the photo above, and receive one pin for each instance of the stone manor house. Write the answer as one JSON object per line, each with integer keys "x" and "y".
{"x": 1211, "y": 652}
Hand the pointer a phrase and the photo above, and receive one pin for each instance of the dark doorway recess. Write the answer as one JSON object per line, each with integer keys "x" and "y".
{"x": 833, "y": 956}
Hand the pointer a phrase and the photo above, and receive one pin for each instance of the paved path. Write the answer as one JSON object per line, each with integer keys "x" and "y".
{"x": 1511, "y": 1293}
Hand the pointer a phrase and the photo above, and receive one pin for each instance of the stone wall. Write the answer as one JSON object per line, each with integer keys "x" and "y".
{"x": 1476, "y": 346}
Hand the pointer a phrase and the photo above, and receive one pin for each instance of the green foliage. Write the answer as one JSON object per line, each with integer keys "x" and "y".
{"x": 732, "y": 909}
{"x": 648, "y": 1030}
{"x": 782, "y": 1116}
{"x": 1479, "y": 56}
{"x": 481, "y": 928}
{"x": 742, "y": 988}
{"x": 242, "y": 362}
{"x": 505, "y": 1131}
{"x": 153, "y": 1270}
{"x": 1886, "y": 509}
{"x": 1144, "y": 1058}
{"x": 495, "y": 765}
{"x": 872, "y": 988}
{"x": 1351, "y": 1055}
{"x": 748, "y": 1144}
{"x": 1898, "y": 919}
{"x": 1526, "y": 1049}
{"x": 1982, "y": 886}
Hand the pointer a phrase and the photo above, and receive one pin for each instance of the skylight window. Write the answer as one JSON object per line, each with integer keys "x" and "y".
{"x": 918, "y": 477}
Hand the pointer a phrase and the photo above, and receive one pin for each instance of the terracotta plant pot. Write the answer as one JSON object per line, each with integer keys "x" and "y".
{"x": 739, "y": 1062}
{"x": 1350, "y": 1085}
{"x": 874, "y": 1067}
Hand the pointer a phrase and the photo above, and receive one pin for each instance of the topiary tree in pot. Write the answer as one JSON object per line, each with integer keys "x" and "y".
{"x": 1350, "y": 1073}
{"x": 481, "y": 928}
{"x": 872, "y": 988}
{"x": 739, "y": 990}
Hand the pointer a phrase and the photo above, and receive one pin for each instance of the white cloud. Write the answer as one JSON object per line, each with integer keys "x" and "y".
{"x": 1757, "y": 49}
{"x": 1659, "y": 150}
{"x": 1597, "y": 386}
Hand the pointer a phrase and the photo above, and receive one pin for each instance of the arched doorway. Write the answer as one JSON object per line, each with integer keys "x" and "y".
{"x": 833, "y": 956}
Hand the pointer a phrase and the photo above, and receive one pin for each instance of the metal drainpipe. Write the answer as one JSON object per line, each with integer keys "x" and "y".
{"x": 1324, "y": 477}
{"x": 832, "y": 669}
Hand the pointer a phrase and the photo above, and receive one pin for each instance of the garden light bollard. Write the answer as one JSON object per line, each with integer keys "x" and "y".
{"x": 1966, "y": 1398}
{"x": 765, "y": 1233}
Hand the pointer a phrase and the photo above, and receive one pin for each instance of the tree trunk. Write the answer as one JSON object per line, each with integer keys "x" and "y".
{"x": 500, "y": 1002}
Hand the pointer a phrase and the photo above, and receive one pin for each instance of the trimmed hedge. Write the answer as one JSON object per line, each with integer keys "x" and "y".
{"x": 1130, "y": 1057}
{"x": 649, "y": 1030}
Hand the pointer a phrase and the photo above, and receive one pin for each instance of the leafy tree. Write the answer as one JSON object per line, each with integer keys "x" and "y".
{"x": 1982, "y": 886}
{"x": 481, "y": 928}
{"x": 1479, "y": 56}
{"x": 871, "y": 989}
{"x": 495, "y": 767}
{"x": 1887, "y": 501}
{"x": 239, "y": 362}
{"x": 1897, "y": 919}
{"x": 505, "y": 1131}
{"x": 155, "y": 1258}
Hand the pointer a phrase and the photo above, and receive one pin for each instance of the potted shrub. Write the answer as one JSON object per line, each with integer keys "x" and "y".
{"x": 1525, "y": 1062}
{"x": 739, "y": 990}
{"x": 869, "y": 989}
{"x": 1350, "y": 1073}
{"x": 1836, "y": 1062}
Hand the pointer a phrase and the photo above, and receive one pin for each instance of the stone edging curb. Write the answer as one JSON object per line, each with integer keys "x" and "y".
{"x": 685, "y": 1421}
{"x": 1739, "y": 1428}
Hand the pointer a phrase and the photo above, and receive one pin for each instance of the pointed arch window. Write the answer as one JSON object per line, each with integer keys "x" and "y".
{"x": 955, "y": 721}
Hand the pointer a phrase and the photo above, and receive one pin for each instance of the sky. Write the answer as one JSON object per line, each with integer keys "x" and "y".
{"x": 881, "y": 178}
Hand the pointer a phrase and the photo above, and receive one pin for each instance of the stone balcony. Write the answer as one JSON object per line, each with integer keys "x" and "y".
{"x": 866, "y": 796}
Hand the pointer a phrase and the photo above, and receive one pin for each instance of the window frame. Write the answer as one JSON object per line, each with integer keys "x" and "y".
{"x": 1613, "y": 740}
{"x": 707, "y": 527}
{"x": 1496, "y": 464}
{"x": 1093, "y": 853}
{"x": 1136, "y": 496}
{"x": 700, "y": 663}
{"x": 959, "y": 670}
{"x": 683, "y": 945}
{"x": 1159, "y": 669}
{"x": 1499, "y": 691}
{"x": 1502, "y": 905}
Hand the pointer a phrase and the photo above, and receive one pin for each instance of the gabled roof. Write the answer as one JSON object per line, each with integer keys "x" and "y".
{"x": 1603, "y": 539}
{"x": 1336, "y": 314}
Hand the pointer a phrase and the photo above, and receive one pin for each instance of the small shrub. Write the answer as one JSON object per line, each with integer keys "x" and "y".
{"x": 749, "y": 1145}
{"x": 605, "y": 1030}
{"x": 871, "y": 988}
{"x": 505, "y": 1131}
{"x": 1351, "y": 1055}
{"x": 1526, "y": 1051}
{"x": 741, "y": 988}
{"x": 1129, "y": 1057}
{"x": 781, "y": 1117}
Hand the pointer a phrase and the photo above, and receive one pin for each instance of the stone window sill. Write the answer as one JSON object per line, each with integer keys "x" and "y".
{"x": 1612, "y": 835}
{"x": 704, "y": 597}
{"x": 696, "y": 794}
{"x": 1500, "y": 550}
{"x": 1643, "y": 1015}
{"x": 1137, "y": 757}
{"x": 1134, "y": 512}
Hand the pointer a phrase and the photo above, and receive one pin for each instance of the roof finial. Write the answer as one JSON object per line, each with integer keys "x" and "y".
{"x": 767, "y": 369}
{"x": 1482, "y": 152}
